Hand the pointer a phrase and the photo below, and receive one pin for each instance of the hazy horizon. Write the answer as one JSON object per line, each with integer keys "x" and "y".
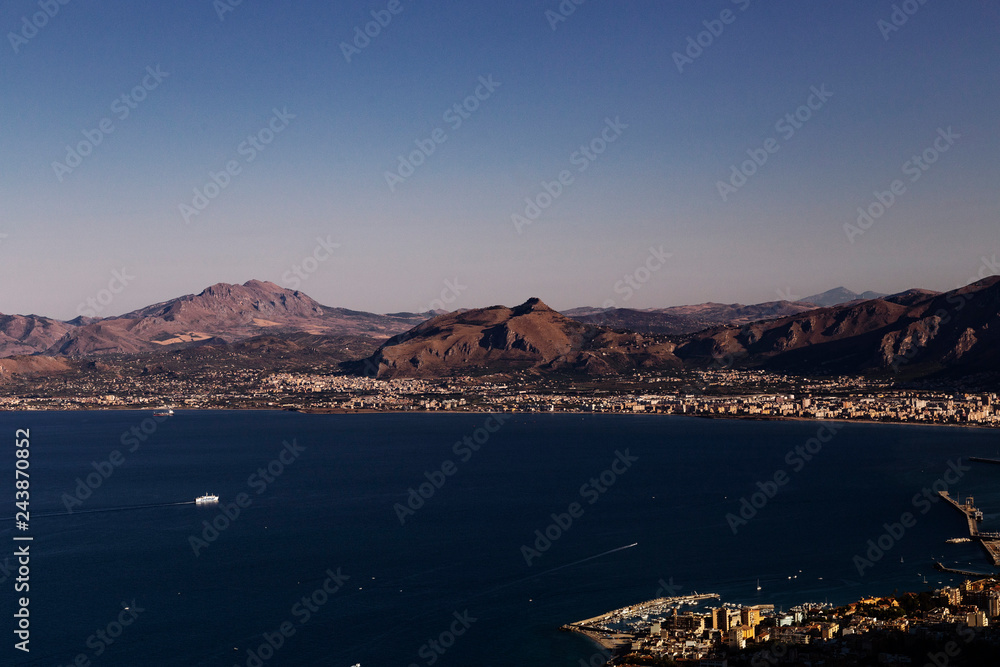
{"x": 436, "y": 303}
{"x": 255, "y": 138}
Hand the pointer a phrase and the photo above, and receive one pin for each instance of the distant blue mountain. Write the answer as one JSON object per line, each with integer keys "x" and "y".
{"x": 839, "y": 295}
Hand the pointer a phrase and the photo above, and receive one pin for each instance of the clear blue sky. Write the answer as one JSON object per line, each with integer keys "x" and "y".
{"x": 324, "y": 173}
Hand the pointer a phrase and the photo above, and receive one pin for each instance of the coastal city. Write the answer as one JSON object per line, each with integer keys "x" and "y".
{"x": 431, "y": 334}
{"x": 747, "y": 394}
{"x": 946, "y": 626}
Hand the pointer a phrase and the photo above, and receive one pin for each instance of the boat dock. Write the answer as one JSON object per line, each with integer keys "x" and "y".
{"x": 989, "y": 540}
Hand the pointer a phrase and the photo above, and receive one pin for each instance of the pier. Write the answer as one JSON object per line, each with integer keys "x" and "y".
{"x": 989, "y": 540}
{"x": 972, "y": 514}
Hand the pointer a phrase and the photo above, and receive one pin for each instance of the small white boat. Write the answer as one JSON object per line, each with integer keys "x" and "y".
{"x": 207, "y": 499}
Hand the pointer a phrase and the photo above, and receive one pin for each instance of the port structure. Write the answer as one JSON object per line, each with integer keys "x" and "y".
{"x": 616, "y": 642}
{"x": 989, "y": 540}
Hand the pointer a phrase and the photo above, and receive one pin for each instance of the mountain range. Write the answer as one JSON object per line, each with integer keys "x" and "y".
{"x": 224, "y": 313}
{"x": 912, "y": 335}
{"x": 689, "y": 319}
{"x": 916, "y": 334}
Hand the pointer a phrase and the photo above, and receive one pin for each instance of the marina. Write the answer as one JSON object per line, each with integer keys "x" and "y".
{"x": 616, "y": 640}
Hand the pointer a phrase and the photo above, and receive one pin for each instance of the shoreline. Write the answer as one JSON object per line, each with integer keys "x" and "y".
{"x": 617, "y": 642}
{"x": 606, "y": 645}
{"x": 368, "y": 411}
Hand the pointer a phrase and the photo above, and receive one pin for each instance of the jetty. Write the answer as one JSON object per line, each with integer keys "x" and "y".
{"x": 990, "y": 541}
{"x": 941, "y": 567}
{"x": 979, "y": 459}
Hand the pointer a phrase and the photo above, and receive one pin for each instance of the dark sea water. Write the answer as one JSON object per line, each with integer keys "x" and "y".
{"x": 332, "y": 508}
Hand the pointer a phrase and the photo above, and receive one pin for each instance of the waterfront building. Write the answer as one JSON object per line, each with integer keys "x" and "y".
{"x": 720, "y": 619}
{"x": 750, "y": 618}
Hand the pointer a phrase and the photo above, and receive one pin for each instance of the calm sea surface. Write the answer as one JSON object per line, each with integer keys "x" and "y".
{"x": 329, "y": 510}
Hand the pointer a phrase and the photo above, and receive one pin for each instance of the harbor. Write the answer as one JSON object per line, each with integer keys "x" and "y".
{"x": 616, "y": 640}
{"x": 973, "y": 515}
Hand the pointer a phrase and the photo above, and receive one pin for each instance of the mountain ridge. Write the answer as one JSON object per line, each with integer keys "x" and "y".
{"x": 916, "y": 333}
{"x": 222, "y": 312}
{"x": 531, "y": 336}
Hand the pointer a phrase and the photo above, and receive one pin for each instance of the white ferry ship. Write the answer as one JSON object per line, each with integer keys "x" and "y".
{"x": 206, "y": 499}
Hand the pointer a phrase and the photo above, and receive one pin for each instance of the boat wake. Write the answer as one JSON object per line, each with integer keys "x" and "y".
{"x": 123, "y": 508}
